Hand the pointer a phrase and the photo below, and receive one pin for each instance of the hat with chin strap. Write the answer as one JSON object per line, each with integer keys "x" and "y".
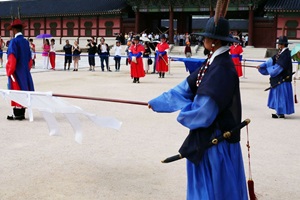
{"x": 163, "y": 36}
{"x": 137, "y": 38}
{"x": 219, "y": 30}
{"x": 283, "y": 40}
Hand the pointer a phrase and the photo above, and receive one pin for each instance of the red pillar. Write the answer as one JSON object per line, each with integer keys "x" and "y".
{"x": 97, "y": 28}
{"x": 61, "y": 27}
{"x": 45, "y": 25}
{"x": 79, "y": 27}
{"x": 171, "y": 26}
{"x": 1, "y": 27}
{"x": 250, "y": 26}
{"x": 29, "y": 28}
{"x": 137, "y": 22}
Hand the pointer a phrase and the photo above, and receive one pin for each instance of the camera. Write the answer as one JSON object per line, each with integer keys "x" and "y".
{"x": 88, "y": 40}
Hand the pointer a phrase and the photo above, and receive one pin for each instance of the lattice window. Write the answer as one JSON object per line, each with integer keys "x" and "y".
{"x": 70, "y": 29}
{"x": 109, "y": 25}
{"x": 37, "y": 28}
{"x": 88, "y": 28}
{"x": 291, "y": 27}
{"x": 53, "y": 26}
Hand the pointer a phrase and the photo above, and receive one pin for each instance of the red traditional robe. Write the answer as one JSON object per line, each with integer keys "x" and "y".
{"x": 162, "y": 61}
{"x": 236, "y": 53}
{"x": 137, "y": 69}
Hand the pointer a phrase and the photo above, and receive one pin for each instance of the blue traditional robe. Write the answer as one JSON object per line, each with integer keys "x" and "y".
{"x": 18, "y": 65}
{"x": 280, "y": 96}
{"x": 219, "y": 174}
{"x": 19, "y": 59}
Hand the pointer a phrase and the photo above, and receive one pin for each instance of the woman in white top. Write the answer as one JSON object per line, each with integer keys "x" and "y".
{"x": 52, "y": 54}
{"x": 117, "y": 57}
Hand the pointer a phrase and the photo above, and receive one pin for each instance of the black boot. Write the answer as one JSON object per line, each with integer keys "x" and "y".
{"x": 134, "y": 80}
{"x": 163, "y": 75}
{"x": 276, "y": 116}
{"x": 138, "y": 80}
{"x": 19, "y": 114}
{"x": 159, "y": 75}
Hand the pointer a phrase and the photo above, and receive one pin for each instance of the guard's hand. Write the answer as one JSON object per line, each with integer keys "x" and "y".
{"x": 149, "y": 106}
{"x": 258, "y": 67}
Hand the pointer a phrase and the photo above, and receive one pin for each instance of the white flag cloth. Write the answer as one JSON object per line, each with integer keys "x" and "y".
{"x": 48, "y": 105}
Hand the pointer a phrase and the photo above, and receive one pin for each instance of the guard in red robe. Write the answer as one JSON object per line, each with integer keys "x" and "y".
{"x": 136, "y": 51}
{"x": 236, "y": 52}
{"x": 19, "y": 62}
{"x": 162, "y": 61}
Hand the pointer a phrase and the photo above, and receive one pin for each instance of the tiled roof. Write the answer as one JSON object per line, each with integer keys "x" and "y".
{"x": 282, "y": 6}
{"x": 41, "y": 8}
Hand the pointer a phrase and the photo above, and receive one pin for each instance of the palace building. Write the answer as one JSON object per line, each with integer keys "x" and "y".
{"x": 262, "y": 20}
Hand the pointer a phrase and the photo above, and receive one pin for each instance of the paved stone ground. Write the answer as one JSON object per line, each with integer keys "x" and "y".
{"x": 126, "y": 164}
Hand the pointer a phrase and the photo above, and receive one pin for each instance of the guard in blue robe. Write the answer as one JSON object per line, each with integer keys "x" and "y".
{"x": 280, "y": 69}
{"x": 19, "y": 62}
{"x": 209, "y": 104}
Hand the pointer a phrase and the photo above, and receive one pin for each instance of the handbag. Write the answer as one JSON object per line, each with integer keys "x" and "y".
{"x": 150, "y": 61}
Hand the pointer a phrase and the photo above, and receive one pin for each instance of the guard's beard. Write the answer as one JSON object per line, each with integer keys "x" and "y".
{"x": 206, "y": 52}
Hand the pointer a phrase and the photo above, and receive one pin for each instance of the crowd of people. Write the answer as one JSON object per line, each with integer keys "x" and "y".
{"x": 72, "y": 52}
{"x": 138, "y": 56}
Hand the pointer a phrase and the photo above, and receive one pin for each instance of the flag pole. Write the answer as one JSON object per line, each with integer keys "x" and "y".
{"x": 101, "y": 99}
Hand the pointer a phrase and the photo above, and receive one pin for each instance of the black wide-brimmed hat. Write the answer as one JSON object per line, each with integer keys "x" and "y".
{"x": 283, "y": 40}
{"x": 163, "y": 36}
{"x": 219, "y": 32}
{"x": 137, "y": 38}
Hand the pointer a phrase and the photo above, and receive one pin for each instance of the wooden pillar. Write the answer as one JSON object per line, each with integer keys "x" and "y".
{"x": 250, "y": 26}
{"x": 29, "y": 28}
{"x": 171, "y": 25}
{"x": 189, "y": 23}
{"x": 79, "y": 26}
{"x": 61, "y": 27}
{"x": 97, "y": 27}
{"x": 180, "y": 23}
{"x": 121, "y": 25}
{"x": 1, "y": 28}
{"x": 137, "y": 21}
{"x": 45, "y": 25}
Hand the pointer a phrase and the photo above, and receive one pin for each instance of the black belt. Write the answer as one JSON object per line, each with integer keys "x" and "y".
{"x": 288, "y": 77}
{"x": 214, "y": 141}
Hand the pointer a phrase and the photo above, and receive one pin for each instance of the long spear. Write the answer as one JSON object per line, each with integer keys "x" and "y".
{"x": 101, "y": 99}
